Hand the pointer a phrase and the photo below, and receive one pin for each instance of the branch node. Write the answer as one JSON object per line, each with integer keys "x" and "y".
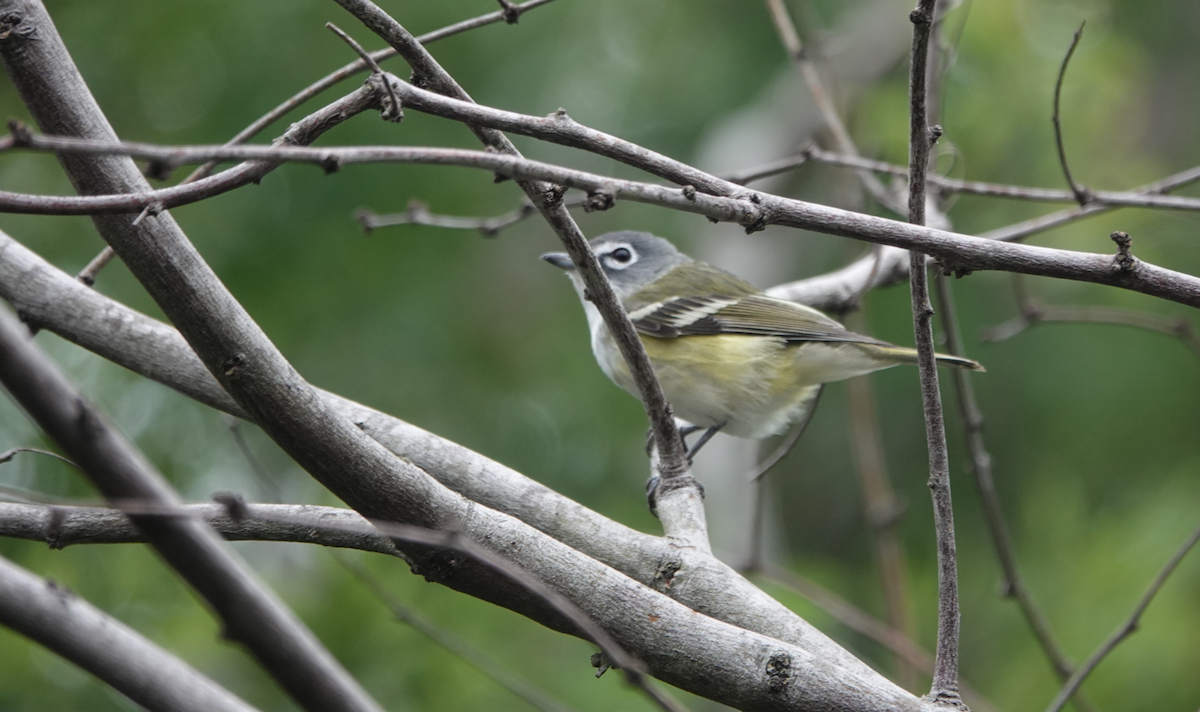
{"x": 235, "y": 506}
{"x": 53, "y": 530}
{"x": 233, "y": 364}
{"x": 754, "y": 218}
{"x": 1124, "y": 261}
{"x": 512, "y": 13}
{"x": 602, "y": 663}
{"x": 367, "y": 219}
{"x": 689, "y": 192}
{"x": 22, "y": 137}
{"x": 152, "y": 209}
{"x": 919, "y": 17}
{"x": 935, "y": 132}
{"x": 664, "y": 575}
{"x": 330, "y": 163}
{"x": 950, "y": 267}
{"x": 599, "y": 200}
{"x": 779, "y": 672}
{"x": 13, "y": 23}
{"x": 946, "y": 697}
{"x": 553, "y": 196}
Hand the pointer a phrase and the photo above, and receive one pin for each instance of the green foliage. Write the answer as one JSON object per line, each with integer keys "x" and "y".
{"x": 1091, "y": 427}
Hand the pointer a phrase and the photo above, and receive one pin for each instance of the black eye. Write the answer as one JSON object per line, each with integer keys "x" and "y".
{"x": 621, "y": 254}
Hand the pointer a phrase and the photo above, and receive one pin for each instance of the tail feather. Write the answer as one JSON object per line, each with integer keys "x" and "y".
{"x": 903, "y": 354}
{"x": 960, "y": 362}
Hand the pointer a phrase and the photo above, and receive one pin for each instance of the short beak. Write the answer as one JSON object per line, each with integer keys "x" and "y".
{"x": 559, "y": 260}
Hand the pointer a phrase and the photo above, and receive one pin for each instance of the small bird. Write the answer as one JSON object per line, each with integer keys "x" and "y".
{"x": 729, "y": 357}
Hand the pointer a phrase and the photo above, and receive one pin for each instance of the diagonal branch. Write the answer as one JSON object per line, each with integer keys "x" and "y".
{"x": 251, "y": 615}
{"x": 678, "y": 497}
{"x": 69, "y": 626}
{"x": 88, "y": 274}
{"x": 51, "y": 299}
{"x": 1127, "y": 628}
{"x": 808, "y": 70}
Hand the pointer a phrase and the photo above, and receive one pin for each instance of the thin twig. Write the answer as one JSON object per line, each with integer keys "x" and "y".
{"x": 418, "y": 214}
{"x": 476, "y": 658}
{"x": 390, "y": 113}
{"x": 1137, "y": 198}
{"x": 808, "y": 70}
{"x": 882, "y": 510}
{"x": 752, "y": 209}
{"x": 749, "y": 175}
{"x": 1033, "y": 312}
{"x": 981, "y": 469}
{"x": 1082, "y": 194}
{"x": 1125, "y": 629}
{"x": 88, "y": 274}
{"x": 8, "y": 455}
{"x": 921, "y": 136}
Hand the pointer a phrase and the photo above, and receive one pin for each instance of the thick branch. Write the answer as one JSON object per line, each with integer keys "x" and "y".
{"x": 69, "y": 626}
{"x": 683, "y": 647}
{"x": 251, "y": 615}
{"x": 51, "y": 299}
{"x": 680, "y": 507}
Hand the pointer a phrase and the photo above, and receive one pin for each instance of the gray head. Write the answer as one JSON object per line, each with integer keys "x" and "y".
{"x": 631, "y": 260}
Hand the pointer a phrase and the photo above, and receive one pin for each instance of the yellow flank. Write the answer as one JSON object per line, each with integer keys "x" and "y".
{"x": 730, "y": 378}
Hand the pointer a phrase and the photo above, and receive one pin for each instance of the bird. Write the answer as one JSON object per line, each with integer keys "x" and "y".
{"x": 729, "y": 357}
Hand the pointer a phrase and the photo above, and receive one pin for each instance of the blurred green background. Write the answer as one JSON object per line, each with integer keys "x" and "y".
{"x": 1092, "y": 428}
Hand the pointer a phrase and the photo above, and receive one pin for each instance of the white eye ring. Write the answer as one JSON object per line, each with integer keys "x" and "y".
{"x": 620, "y": 257}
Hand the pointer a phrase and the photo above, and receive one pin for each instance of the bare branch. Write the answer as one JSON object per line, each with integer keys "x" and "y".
{"x": 69, "y": 626}
{"x": 251, "y": 615}
{"x": 1125, "y": 629}
{"x": 1082, "y": 194}
{"x": 961, "y": 252}
{"x": 981, "y": 469}
{"x": 678, "y": 495}
{"x": 62, "y": 526}
{"x": 921, "y": 137}
{"x": 1137, "y": 198}
{"x": 50, "y": 298}
{"x": 8, "y": 455}
{"x": 391, "y": 111}
{"x": 535, "y": 696}
{"x": 1033, "y": 312}
{"x": 808, "y": 70}
{"x": 418, "y": 214}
